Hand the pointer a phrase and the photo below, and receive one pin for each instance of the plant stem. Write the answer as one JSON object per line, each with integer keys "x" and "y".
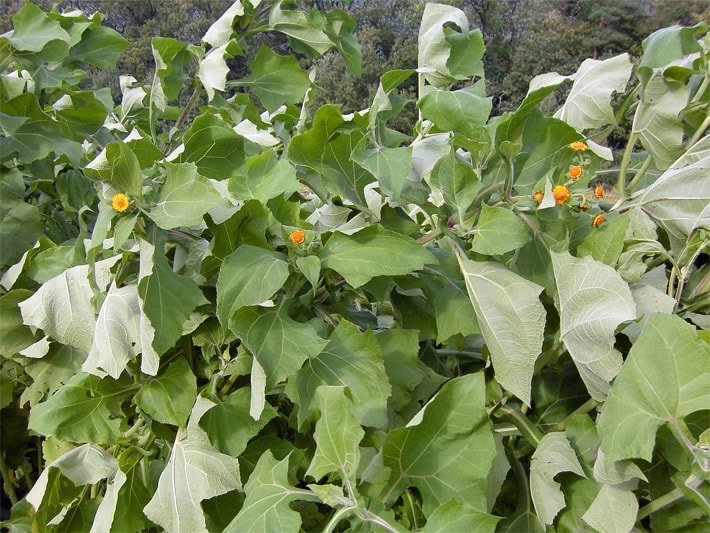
{"x": 228, "y": 384}
{"x": 529, "y": 431}
{"x": 681, "y": 435}
{"x": 641, "y": 172}
{"x": 699, "y": 132}
{"x": 7, "y": 481}
{"x": 667, "y": 499}
{"x": 371, "y": 517}
{"x": 133, "y": 429}
{"x": 428, "y": 237}
{"x": 621, "y": 181}
{"x": 188, "y": 107}
{"x": 582, "y": 409}
{"x": 337, "y": 517}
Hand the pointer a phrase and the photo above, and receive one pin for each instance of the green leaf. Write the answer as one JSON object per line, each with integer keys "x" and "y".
{"x": 310, "y": 268}
{"x": 656, "y": 119}
{"x": 457, "y": 182}
{"x": 169, "y": 397}
{"x": 389, "y": 165}
{"x": 82, "y": 410}
{"x": 276, "y": 80}
{"x": 84, "y": 465}
{"x": 229, "y": 424}
{"x": 100, "y": 47}
{"x": 248, "y": 276}
{"x": 552, "y": 456}
{"x": 269, "y": 494}
{"x": 170, "y": 57}
{"x": 679, "y": 200}
{"x": 185, "y": 197}
{"x": 51, "y": 372}
{"x": 373, "y": 251}
{"x": 512, "y": 321}
{"x": 667, "y": 45}
{"x": 214, "y": 147}
{"x": 337, "y": 435}
{"x": 588, "y": 104}
{"x": 664, "y": 378}
{"x": 498, "y": 231}
{"x": 353, "y": 359}
{"x": 614, "y": 510}
{"x": 195, "y": 471}
{"x": 167, "y": 298}
{"x": 278, "y": 342}
{"x": 303, "y": 27}
{"x": 14, "y": 335}
{"x": 117, "y": 165}
{"x": 20, "y": 226}
{"x": 456, "y": 516}
{"x": 448, "y": 453}
{"x": 339, "y": 27}
{"x": 605, "y": 244}
{"x": 221, "y": 30}
{"x": 441, "y": 49}
{"x": 458, "y": 111}
{"x": 593, "y": 301}
{"x": 62, "y": 306}
{"x": 266, "y": 177}
{"x": 400, "y": 349}
{"x": 213, "y": 69}
{"x": 33, "y": 30}
{"x": 326, "y": 148}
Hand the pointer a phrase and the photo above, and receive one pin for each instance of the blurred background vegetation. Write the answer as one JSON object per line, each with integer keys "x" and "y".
{"x": 523, "y": 38}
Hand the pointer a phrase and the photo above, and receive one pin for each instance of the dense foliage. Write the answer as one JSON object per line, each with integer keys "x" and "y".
{"x": 276, "y": 316}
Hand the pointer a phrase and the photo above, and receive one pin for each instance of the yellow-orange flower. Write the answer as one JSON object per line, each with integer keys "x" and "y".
{"x": 598, "y": 220}
{"x": 578, "y": 146}
{"x": 297, "y": 236}
{"x": 561, "y": 194}
{"x": 599, "y": 191}
{"x": 574, "y": 172}
{"x": 120, "y": 202}
{"x": 538, "y": 196}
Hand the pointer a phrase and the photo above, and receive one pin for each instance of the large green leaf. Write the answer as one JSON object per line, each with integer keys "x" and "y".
{"x": 499, "y": 230}
{"x": 389, "y": 165}
{"x": 588, "y": 104}
{"x": 593, "y": 301}
{"x": 326, "y": 148}
{"x": 552, "y": 456}
{"x": 614, "y": 510}
{"x": 665, "y": 378}
{"x": 195, "y": 471}
{"x": 33, "y": 30}
{"x": 276, "y": 80}
{"x": 679, "y": 200}
{"x": 373, "y": 251}
{"x": 20, "y": 226}
{"x": 83, "y": 410}
{"x": 213, "y": 146}
{"x": 221, "y": 30}
{"x": 667, "y": 45}
{"x": 213, "y": 69}
{"x": 169, "y": 396}
{"x": 266, "y": 177}
{"x": 185, "y": 197}
{"x": 14, "y": 335}
{"x": 456, "y": 182}
{"x": 278, "y": 342}
{"x": 458, "y": 111}
{"x": 512, "y": 320}
{"x": 229, "y": 424}
{"x": 248, "y": 276}
{"x": 353, "y": 359}
{"x": 304, "y": 27}
{"x": 117, "y": 165}
{"x": 100, "y": 46}
{"x": 51, "y": 372}
{"x": 457, "y": 516}
{"x": 606, "y": 243}
{"x": 446, "y": 451}
{"x": 446, "y": 55}
{"x": 167, "y": 298}
{"x": 337, "y": 435}
{"x": 269, "y": 494}
{"x": 170, "y": 58}
{"x": 62, "y": 307}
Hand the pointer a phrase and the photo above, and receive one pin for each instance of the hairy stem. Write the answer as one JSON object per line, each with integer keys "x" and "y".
{"x": 667, "y": 499}
{"x": 640, "y": 174}
{"x": 621, "y": 181}
{"x": 699, "y": 132}
{"x": 531, "y": 433}
{"x": 188, "y": 107}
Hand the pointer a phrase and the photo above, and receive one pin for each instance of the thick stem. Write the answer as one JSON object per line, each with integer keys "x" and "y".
{"x": 7, "y": 481}
{"x": 582, "y": 409}
{"x": 640, "y": 174}
{"x": 699, "y": 132}
{"x": 667, "y": 499}
{"x": 188, "y": 107}
{"x": 621, "y": 181}
{"x": 371, "y": 517}
{"x": 337, "y": 517}
{"x": 529, "y": 431}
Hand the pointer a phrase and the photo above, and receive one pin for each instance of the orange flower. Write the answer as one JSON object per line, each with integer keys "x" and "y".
{"x": 297, "y": 236}
{"x": 120, "y": 202}
{"x": 538, "y": 196}
{"x": 574, "y": 172}
{"x": 561, "y": 194}
{"x": 578, "y": 146}
{"x": 599, "y": 191}
{"x": 598, "y": 220}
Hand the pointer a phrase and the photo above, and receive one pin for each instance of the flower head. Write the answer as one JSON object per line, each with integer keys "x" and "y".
{"x": 578, "y": 146}
{"x": 561, "y": 194}
{"x": 297, "y": 236}
{"x": 598, "y": 220}
{"x": 538, "y": 196}
{"x": 599, "y": 191}
{"x": 574, "y": 172}
{"x": 584, "y": 206}
{"x": 120, "y": 202}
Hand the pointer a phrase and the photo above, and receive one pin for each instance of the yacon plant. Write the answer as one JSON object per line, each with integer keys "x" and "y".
{"x": 279, "y": 318}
